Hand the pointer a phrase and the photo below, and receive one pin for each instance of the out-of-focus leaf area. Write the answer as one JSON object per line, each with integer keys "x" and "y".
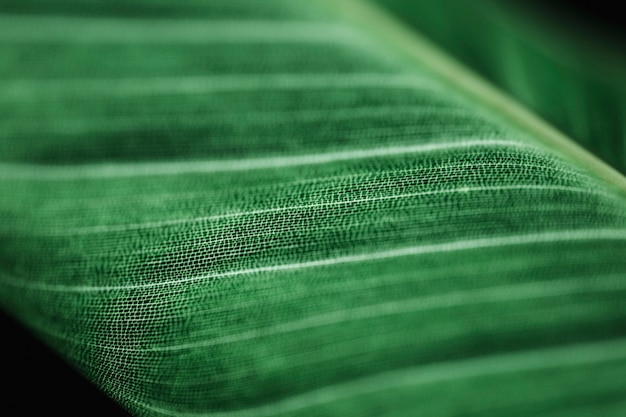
{"x": 563, "y": 60}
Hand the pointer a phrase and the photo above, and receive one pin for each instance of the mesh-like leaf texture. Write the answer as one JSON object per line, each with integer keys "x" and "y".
{"x": 237, "y": 208}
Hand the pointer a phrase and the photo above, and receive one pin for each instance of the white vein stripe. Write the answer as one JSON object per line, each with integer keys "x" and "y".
{"x": 500, "y": 364}
{"x": 19, "y": 30}
{"x": 531, "y": 290}
{"x": 140, "y": 169}
{"x": 151, "y": 86}
{"x": 459, "y": 245}
{"x": 87, "y": 230}
{"x": 102, "y": 122}
{"x": 489, "y": 295}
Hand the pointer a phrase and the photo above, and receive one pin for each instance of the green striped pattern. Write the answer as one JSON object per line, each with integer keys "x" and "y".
{"x": 235, "y": 208}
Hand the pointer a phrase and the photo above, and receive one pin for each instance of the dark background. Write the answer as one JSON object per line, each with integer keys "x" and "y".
{"x": 604, "y": 18}
{"x": 35, "y": 381}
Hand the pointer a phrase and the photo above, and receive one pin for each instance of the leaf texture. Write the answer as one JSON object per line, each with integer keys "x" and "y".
{"x": 231, "y": 208}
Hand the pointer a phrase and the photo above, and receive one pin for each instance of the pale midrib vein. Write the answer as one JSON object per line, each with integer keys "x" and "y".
{"x": 458, "y": 245}
{"x": 497, "y": 364}
{"x": 90, "y": 230}
{"x": 20, "y": 30}
{"x": 139, "y": 169}
{"x": 411, "y": 44}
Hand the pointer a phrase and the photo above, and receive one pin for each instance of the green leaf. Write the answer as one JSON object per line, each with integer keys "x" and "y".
{"x": 299, "y": 209}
